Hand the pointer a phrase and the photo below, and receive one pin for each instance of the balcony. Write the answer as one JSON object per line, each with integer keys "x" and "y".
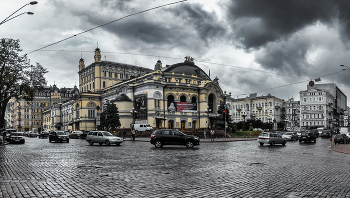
{"x": 277, "y": 107}
{"x": 238, "y": 109}
{"x": 259, "y": 107}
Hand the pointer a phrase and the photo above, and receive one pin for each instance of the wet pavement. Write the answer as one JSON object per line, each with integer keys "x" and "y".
{"x": 137, "y": 169}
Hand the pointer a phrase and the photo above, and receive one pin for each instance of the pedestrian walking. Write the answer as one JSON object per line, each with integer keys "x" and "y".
{"x": 212, "y": 132}
{"x": 205, "y": 134}
{"x": 124, "y": 133}
{"x": 133, "y": 133}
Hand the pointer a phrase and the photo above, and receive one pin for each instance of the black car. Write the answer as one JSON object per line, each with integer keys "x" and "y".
{"x": 16, "y": 137}
{"x": 44, "y": 134}
{"x": 58, "y": 136}
{"x": 307, "y": 137}
{"x": 326, "y": 134}
{"x": 84, "y": 134}
{"x": 315, "y": 132}
{"x": 341, "y": 139}
{"x": 172, "y": 137}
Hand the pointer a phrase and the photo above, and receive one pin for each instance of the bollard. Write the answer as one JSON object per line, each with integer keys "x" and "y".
{"x": 331, "y": 142}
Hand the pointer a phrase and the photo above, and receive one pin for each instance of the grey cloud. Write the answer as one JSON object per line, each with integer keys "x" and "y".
{"x": 256, "y": 23}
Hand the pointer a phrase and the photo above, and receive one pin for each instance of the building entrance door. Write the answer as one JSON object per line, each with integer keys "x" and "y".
{"x": 171, "y": 124}
{"x": 183, "y": 125}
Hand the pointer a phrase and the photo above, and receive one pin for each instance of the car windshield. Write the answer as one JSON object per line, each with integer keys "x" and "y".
{"x": 17, "y": 134}
{"x": 147, "y": 125}
{"x": 264, "y": 134}
{"x": 338, "y": 136}
{"x": 303, "y": 133}
{"x": 105, "y": 133}
{"x": 60, "y": 133}
{"x": 288, "y": 133}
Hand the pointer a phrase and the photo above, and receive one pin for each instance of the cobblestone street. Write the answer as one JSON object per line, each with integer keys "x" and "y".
{"x": 137, "y": 169}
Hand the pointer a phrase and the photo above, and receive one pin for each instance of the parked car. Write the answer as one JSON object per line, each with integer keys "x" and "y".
{"x": 326, "y": 133}
{"x": 271, "y": 138}
{"x": 315, "y": 132}
{"x": 44, "y": 134}
{"x": 307, "y": 137}
{"x": 348, "y": 134}
{"x": 16, "y": 137}
{"x": 33, "y": 134}
{"x": 84, "y": 134}
{"x": 290, "y": 136}
{"x": 103, "y": 137}
{"x": 75, "y": 134}
{"x": 162, "y": 137}
{"x": 341, "y": 139}
{"x": 58, "y": 136}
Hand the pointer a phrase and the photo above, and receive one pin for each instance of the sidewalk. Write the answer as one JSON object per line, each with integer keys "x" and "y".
{"x": 341, "y": 148}
{"x": 147, "y": 139}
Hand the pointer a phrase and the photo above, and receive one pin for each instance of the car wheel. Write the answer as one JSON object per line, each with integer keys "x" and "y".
{"x": 189, "y": 144}
{"x": 67, "y": 141}
{"x": 315, "y": 140}
{"x": 108, "y": 143}
{"x": 299, "y": 141}
{"x": 272, "y": 143}
{"x": 91, "y": 142}
{"x": 261, "y": 144}
{"x": 136, "y": 131}
{"x": 158, "y": 144}
{"x": 284, "y": 143}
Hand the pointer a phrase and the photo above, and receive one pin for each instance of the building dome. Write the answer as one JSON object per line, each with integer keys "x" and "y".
{"x": 187, "y": 68}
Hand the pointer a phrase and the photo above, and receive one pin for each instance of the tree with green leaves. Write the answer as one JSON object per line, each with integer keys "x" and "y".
{"x": 18, "y": 78}
{"x": 220, "y": 120}
{"x": 110, "y": 118}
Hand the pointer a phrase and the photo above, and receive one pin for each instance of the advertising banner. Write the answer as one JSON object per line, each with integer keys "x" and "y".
{"x": 141, "y": 107}
{"x": 186, "y": 107}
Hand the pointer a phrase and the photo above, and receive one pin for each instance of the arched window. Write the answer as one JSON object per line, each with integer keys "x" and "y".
{"x": 211, "y": 103}
{"x": 183, "y": 98}
{"x": 194, "y": 99}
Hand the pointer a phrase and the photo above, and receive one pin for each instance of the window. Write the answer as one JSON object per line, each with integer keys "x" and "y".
{"x": 121, "y": 76}
{"x": 304, "y": 99}
{"x": 104, "y": 84}
{"x": 110, "y": 74}
{"x": 91, "y": 113}
{"x": 104, "y": 73}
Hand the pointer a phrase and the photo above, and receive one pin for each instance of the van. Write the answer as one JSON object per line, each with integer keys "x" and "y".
{"x": 344, "y": 130}
{"x": 142, "y": 127}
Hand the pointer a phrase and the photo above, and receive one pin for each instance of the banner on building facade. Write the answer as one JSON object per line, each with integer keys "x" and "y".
{"x": 186, "y": 107}
{"x": 182, "y": 107}
{"x": 141, "y": 107}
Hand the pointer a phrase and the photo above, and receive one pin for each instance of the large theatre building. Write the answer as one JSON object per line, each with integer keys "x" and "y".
{"x": 178, "y": 96}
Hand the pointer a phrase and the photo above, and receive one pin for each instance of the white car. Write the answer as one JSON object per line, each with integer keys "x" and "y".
{"x": 270, "y": 138}
{"x": 290, "y": 136}
{"x": 348, "y": 134}
{"x": 103, "y": 137}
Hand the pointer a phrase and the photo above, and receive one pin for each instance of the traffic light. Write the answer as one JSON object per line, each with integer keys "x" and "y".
{"x": 223, "y": 112}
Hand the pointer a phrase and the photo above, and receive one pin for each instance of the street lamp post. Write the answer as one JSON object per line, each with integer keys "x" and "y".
{"x": 29, "y": 13}
{"x": 97, "y": 117}
{"x": 244, "y": 114}
{"x": 207, "y": 110}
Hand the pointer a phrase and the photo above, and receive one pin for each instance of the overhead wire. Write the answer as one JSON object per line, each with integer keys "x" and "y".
{"x": 150, "y": 55}
{"x": 107, "y": 24}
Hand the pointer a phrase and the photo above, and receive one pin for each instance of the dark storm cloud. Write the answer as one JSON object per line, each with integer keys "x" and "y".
{"x": 256, "y": 23}
{"x": 185, "y": 26}
{"x": 204, "y": 23}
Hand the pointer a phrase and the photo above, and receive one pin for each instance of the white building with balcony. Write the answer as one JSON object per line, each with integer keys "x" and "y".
{"x": 316, "y": 108}
{"x": 265, "y": 108}
{"x": 292, "y": 118}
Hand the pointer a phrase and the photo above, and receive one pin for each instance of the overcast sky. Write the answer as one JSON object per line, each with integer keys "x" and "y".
{"x": 251, "y": 46}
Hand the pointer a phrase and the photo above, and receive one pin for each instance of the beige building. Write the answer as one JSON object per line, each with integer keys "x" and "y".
{"x": 265, "y": 108}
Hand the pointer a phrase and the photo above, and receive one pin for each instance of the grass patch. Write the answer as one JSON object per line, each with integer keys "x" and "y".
{"x": 243, "y": 134}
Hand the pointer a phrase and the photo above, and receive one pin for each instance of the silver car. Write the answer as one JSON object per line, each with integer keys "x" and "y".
{"x": 270, "y": 138}
{"x": 103, "y": 137}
